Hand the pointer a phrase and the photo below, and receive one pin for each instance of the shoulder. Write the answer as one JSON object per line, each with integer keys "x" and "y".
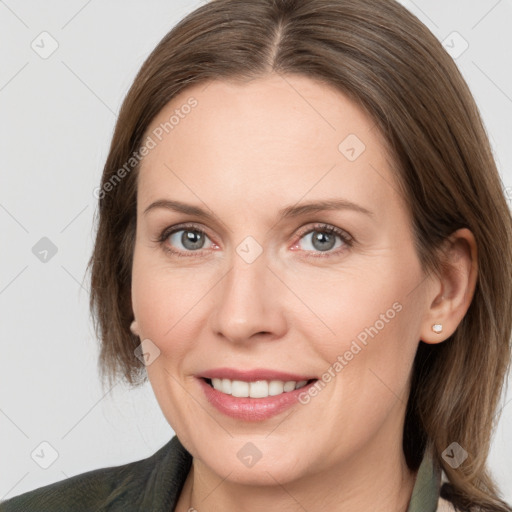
{"x": 80, "y": 492}
{"x": 112, "y": 488}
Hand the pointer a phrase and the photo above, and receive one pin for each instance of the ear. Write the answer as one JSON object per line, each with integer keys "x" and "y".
{"x": 134, "y": 327}
{"x": 454, "y": 288}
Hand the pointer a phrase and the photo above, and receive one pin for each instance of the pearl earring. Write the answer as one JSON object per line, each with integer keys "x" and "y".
{"x": 437, "y": 328}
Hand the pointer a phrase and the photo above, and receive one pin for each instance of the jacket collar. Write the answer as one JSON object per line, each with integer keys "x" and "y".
{"x": 425, "y": 494}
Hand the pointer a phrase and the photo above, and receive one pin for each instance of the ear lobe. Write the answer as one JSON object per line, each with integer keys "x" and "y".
{"x": 134, "y": 327}
{"x": 459, "y": 272}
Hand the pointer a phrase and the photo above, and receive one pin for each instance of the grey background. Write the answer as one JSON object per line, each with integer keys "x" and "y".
{"x": 58, "y": 115}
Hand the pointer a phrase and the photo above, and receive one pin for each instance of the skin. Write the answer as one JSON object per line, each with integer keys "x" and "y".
{"x": 243, "y": 153}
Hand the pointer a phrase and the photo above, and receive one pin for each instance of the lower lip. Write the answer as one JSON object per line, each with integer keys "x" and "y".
{"x": 252, "y": 409}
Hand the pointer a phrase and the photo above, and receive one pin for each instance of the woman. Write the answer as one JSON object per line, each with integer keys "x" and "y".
{"x": 362, "y": 375}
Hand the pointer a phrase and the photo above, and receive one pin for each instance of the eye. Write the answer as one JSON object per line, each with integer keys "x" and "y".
{"x": 322, "y": 239}
{"x": 187, "y": 239}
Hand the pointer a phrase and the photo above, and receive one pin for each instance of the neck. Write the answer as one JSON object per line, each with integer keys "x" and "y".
{"x": 377, "y": 480}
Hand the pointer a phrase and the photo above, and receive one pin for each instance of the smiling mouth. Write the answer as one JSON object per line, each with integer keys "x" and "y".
{"x": 255, "y": 389}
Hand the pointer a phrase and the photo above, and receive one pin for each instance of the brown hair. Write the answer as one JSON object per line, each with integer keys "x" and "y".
{"x": 386, "y": 60}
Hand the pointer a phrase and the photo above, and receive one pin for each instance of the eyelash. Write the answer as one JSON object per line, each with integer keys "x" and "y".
{"x": 347, "y": 239}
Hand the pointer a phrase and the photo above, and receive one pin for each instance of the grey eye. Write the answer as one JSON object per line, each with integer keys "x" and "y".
{"x": 319, "y": 240}
{"x": 190, "y": 239}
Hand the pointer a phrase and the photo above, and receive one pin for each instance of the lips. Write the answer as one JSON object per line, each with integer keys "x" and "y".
{"x": 253, "y": 395}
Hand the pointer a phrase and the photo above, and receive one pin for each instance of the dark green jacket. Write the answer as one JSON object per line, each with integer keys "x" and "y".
{"x": 154, "y": 484}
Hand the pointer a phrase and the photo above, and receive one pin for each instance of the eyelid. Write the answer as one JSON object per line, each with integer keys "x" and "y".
{"x": 168, "y": 231}
{"x": 323, "y": 226}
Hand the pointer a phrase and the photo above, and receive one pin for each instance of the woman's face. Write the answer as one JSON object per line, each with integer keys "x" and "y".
{"x": 244, "y": 288}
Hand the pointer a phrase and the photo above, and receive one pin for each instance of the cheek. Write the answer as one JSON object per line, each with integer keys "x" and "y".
{"x": 368, "y": 373}
{"x": 359, "y": 303}
{"x": 368, "y": 335}
{"x": 166, "y": 300}
{"x": 163, "y": 302}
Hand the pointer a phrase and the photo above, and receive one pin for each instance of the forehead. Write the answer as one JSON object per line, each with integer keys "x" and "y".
{"x": 277, "y": 136}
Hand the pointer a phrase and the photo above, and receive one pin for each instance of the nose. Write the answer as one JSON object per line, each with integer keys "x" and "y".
{"x": 249, "y": 304}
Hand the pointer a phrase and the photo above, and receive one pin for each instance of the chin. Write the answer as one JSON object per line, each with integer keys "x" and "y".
{"x": 261, "y": 474}
{"x": 257, "y": 463}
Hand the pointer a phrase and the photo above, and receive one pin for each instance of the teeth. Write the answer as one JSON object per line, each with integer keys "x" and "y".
{"x": 240, "y": 388}
{"x": 256, "y": 389}
{"x": 275, "y": 387}
{"x": 289, "y": 386}
{"x": 226, "y": 385}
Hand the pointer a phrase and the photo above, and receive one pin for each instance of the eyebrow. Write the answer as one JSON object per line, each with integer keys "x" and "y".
{"x": 284, "y": 213}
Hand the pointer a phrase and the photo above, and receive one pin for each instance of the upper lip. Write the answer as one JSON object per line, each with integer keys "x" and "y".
{"x": 253, "y": 375}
